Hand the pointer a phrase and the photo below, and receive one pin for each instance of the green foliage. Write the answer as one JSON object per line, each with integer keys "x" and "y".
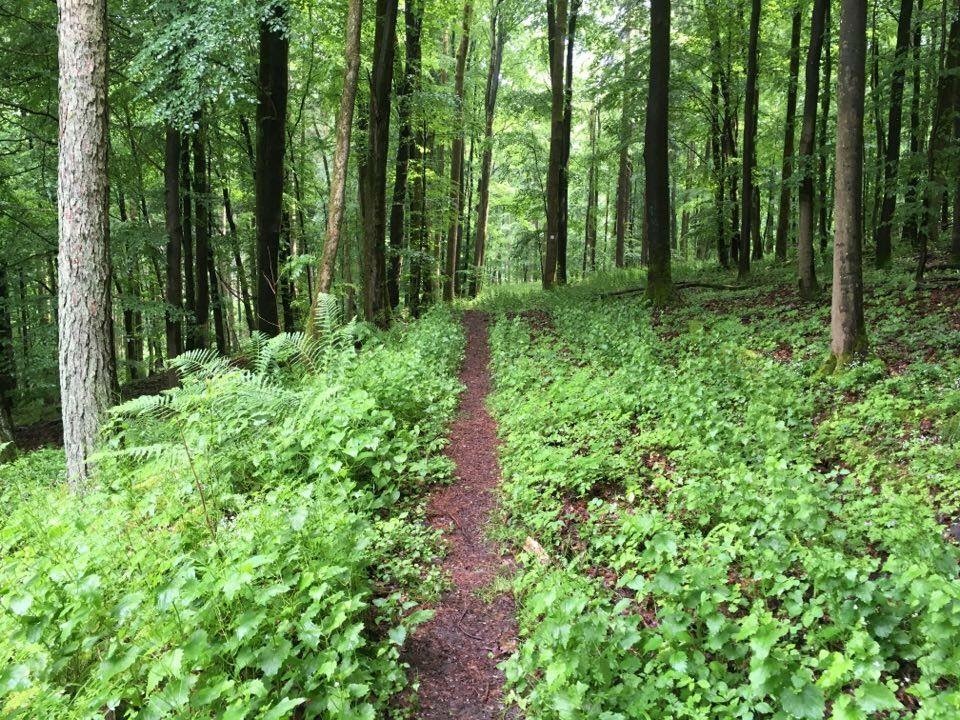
{"x": 731, "y": 536}
{"x": 255, "y": 544}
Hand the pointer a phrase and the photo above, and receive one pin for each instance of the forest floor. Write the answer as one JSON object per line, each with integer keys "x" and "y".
{"x": 455, "y": 655}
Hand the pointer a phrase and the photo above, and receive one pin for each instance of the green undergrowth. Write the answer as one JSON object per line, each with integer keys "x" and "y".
{"x": 730, "y": 535}
{"x": 253, "y": 547}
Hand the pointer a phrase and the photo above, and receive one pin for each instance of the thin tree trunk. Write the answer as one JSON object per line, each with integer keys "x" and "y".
{"x": 806, "y": 269}
{"x": 718, "y": 157}
{"x": 825, "y": 95}
{"x": 909, "y": 233}
{"x": 456, "y": 157}
{"x": 201, "y": 201}
{"x": 847, "y": 329}
{"x": 274, "y": 49}
{"x": 373, "y": 168}
{"x": 174, "y": 289}
{"x": 938, "y": 150}
{"x": 8, "y": 370}
{"x": 593, "y": 197}
{"x": 497, "y": 40}
{"x": 624, "y": 172}
{"x": 87, "y": 364}
{"x": 655, "y": 155}
{"x": 238, "y": 261}
{"x": 904, "y": 29}
{"x": 783, "y": 213}
{"x": 556, "y": 44}
{"x": 749, "y": 142}
{"x": 338, "y": 180}
{"x": 186, "y": 213}
{"x": 220, "y": 328}
{"x": 564, "y": 174}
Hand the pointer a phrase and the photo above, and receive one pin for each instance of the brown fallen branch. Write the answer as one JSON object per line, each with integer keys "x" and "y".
{"x": 677, "y": 286}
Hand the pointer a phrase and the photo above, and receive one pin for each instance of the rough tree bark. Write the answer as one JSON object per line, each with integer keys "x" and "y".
{"x": 894, "y": 124}
{"x": 749, "y": 142}
{"x": 655, "y": 155}
{"x": 847, "y": 329}
{"x": 497, "y": 40}
{"x": 86, "y": 357}
{"x": 806, "y": 270}
{"x": 271, "y": 145}
{"x": 174, "y": 290}
{"x": 341, "y": 154}
{"x": 783, "y": 212}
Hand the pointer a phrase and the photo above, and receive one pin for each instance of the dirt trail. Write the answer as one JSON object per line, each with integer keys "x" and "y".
{"x": 455, "y": 655}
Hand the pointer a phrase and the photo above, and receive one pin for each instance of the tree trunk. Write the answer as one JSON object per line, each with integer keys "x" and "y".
{"x": 624, "y": 172}
{"x": 825, "y": 95}
{"x": 238, "y": 261}
{"x": 419, "y": 238}
{"x": 783, "y": 213}
{"x": 718, "y": 157}
{"x": 87, "y": 370}
{"x": 909, "y": 233}
{"x": 806, "y": 269}
{"x": 186, "y": 213}
{"x": 174, "y": 290}
{"x": 884, "y": 230}
{"x": 938, "y": 151}
{"x": 847, "y": 329}
{"x": 456, "y": 158}
{"x": 219, "y": 325}
{"x": 564, "y": 175}
{"x": 8, "y": 370}
{"x": 286, "y": 290}
{"x": 274, "y": 52}
{"x": 338, "y": 180}
{"x": 593, "y": 196}
{"x": 497, "y": 40}
{"x": 655, "y": 155}
{"x": 373, "y": 168}
{"x": 201, "y": 201}
{"x": 749, "y": 142}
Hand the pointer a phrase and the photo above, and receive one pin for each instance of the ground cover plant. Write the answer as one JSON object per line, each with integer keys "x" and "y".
{"x": 255, "y": 545}
{"x": 730, "y": 533}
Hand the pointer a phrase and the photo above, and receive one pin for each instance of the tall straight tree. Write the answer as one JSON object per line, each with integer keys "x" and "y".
{"x": 564, "y": 176}
{"x": 826, "y": 93}
{"x": 174, "y": 289}
{"x": 272, "y": 90}
{"x": 85, "y": 313}
{"x": 456, "y": 157}
{"x": 806, "y": 157}
{"x": 783, "y": 212}
{"x": 624, "y": 169}
{"x": 341, "y": 153}
{"x": 894, "y": 125}
{"x": 593, "y": 196}
{"x": 373, "y": 167}
{"x": 749, "y": 141}
{"x": 655, "y": 155}
{"x": 909, "y": 232}
{"x": 848, "y": 334}
{"x": 413, "y": 21}
{"x": 497, "y": 40}
{"x": 939, "y": 153}
{"x": 560, "y": 18}
{"x": 201, "y": 202}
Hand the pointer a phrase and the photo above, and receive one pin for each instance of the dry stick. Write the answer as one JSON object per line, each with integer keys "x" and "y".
{"x": 678, "y": 286}
{"x": 203, "y": 497}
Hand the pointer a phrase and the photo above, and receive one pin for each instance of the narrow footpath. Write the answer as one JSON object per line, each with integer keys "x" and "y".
{"x": 455, "y": 655}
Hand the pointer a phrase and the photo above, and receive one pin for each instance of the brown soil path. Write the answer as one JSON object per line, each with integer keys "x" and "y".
{"x": 455, "y": 655}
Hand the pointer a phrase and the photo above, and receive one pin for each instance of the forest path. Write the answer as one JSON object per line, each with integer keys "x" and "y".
{"x": 455, "y": 655}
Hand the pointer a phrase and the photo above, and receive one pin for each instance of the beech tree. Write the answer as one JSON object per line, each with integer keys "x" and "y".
{"x": 85, "y": 309}
{"x": 848, "y": 334}
{"x": 783, "y": 210}
{"x": 749, "y": 140}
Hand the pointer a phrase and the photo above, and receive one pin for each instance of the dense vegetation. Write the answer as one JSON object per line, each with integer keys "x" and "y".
{"x": 714, "y": 247}
{"x": 729, "y": 534}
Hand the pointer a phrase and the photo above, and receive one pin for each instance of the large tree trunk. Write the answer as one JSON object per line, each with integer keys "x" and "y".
{"x": 938, "y": 151}
{"x": 456, "y": 158}
{"x": 174, "y": 290}
{"x": 805, "y": 260}
{"x": 341, "y": 154}
{"x": 373, "y": 168}
{"x": 749, "y": 142}
{"x": 564, "y": 175}
{"x": 655, "y": 155}
{"x": 271, "y": 146}
{"x": 847, "y": 329}
{"x": 497, "y": 39}
{"x": 87, "y": 371}
{"x": 201, "y": 201}
{"x": 783, "y": 213}
{"x": 884, "y": 230}
{"x": 419, "y": 238}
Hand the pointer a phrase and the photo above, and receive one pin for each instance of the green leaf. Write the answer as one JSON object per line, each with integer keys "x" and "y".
{"x": 874, "y": 697}
{"x": 808, "y": 703}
